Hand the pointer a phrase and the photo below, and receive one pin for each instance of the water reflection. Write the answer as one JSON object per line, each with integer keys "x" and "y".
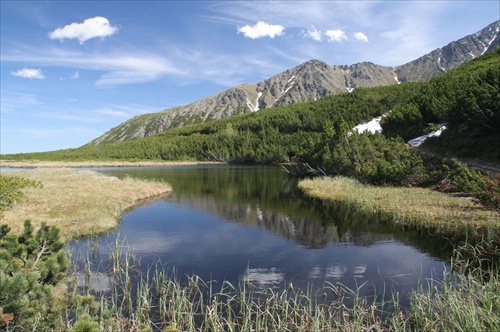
{"x": 252, "y": 224}
{"x": 265, "y": 277}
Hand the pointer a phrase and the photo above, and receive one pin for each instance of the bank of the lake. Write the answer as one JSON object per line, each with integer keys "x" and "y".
{"x": 443, "y": 214}
{"x": 96, "y": 163}
{"x": 80, "y": 203}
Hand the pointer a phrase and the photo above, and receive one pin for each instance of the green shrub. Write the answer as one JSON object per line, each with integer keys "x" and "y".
{"x": 481, "y": 187}
{"x": 30, "y": 266}
{"x": 85, "y": 323}
{"x": 370, "y": 158}
{"x": 405, "y": 121}
{"x": 11, "y": 190}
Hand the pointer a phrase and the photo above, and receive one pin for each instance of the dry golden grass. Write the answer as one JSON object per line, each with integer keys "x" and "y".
{"x": 419, "y": 207}
{"x": 92, "y": 163}
{"x": 79, "y": 202}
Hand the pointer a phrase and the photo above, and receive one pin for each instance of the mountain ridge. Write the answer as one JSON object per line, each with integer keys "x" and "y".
{"x": 310, "y": 80}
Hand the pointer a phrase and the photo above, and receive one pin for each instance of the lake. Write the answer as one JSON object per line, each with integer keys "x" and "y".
{"x": 252, "y": 224}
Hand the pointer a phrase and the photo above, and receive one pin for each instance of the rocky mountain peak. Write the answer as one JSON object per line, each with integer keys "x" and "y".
{"x": 310, "y": 80}
{"x": 450, "y": 56}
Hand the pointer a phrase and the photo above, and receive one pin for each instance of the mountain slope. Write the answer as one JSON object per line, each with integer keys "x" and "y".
{"x": 309, "y": 81}
{"x": 450, "y": 56}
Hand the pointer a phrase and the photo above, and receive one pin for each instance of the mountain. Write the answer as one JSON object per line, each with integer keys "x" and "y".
{"x": 450, "y": 56}
{"x": 309, "y": 81}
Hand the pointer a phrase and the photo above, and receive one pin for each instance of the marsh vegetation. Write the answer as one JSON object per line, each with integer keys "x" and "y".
{"x": 79, "y": 203}
{"x": 455, "y": 216}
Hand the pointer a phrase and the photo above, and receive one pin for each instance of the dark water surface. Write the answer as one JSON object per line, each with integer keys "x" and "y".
{"x": 251, "y": 223}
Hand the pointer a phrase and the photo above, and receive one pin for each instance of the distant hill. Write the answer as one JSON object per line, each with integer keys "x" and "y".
{"x": 311, "y": 80}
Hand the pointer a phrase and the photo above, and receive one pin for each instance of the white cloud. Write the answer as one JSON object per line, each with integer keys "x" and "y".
{"x": 69, "y": 117}
{"x": 119, "y": 69}
{"x": 261, "y": 29}
{"x": 114, "y": 113}
{"x": 132, "y": 109}
{"x": 14, "y": 101}
{"x": 75, "y": 75}
{"x": 336, "y": 35}
{"x": 57, "y": 132}
{"x": 265, "y": 277}
{"x": 314, "y": 34}
{"x": 90, "y": 28}
{"x": 133, "y": 69}
{"x": 29, "y": 73}
{"x": 361, "y": 37}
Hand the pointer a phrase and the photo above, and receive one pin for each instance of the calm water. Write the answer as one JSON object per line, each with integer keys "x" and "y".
{"x": 251, "y": 223}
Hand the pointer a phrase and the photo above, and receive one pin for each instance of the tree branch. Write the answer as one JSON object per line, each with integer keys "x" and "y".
{"x": 41, "y": 252}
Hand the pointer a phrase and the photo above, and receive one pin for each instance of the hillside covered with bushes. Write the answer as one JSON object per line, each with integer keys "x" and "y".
{"x": 318, "y": 133}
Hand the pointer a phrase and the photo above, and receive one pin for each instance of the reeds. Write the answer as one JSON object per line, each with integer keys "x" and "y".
{"x": 466, "y": 299}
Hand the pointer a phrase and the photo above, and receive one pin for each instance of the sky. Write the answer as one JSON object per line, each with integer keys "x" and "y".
{"x": 72, "y": 70}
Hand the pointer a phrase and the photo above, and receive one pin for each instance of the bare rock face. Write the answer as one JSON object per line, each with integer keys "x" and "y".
{"x": 450, "y": 56}
{"x": 311, "y": 80}
{"x": 315, "y": 79}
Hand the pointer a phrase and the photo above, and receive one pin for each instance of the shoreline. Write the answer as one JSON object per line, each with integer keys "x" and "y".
{"x": 79, "y": 202}
{"x": 97, "y": 163}
{"x": 425, "y": 209}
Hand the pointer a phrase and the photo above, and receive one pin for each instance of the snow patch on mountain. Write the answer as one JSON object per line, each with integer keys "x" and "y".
{"x": 256, "y": 108}
{"x": 372, "y": 126}
{"x": 440, "y": 66}
{"x": 486, "y": 48}
{"x": 289, "y": 84}
{"x": 421, "y": 139}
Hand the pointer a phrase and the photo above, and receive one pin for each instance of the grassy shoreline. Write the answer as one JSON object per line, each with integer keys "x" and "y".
{"x": 436, "y": 212}
{"x": 80, "y": 203}
{"x": 95, "y": 163}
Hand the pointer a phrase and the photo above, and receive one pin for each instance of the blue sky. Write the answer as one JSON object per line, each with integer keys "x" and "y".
{"x": 71, "y": 70}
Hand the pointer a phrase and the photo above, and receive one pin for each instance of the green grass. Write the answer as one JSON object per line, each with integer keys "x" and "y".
{"x": 466, "y": 299}
{"x": 439, "y": 213}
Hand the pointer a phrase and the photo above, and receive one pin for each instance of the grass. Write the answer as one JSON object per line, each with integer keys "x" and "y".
{"x": 93, "y": 163}
{"x": 437, "y": 212}
{"x": 466, "y": 299}
{"x": 80, "y": 203}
